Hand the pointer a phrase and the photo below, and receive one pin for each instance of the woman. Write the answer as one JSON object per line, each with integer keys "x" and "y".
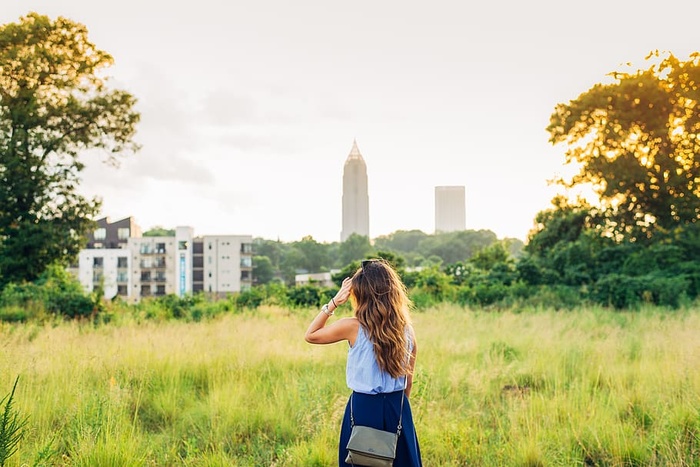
{"x": 381, "y": 356}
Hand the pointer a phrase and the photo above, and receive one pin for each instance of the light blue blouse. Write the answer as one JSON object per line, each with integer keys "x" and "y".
{"x": 362, "y": 371}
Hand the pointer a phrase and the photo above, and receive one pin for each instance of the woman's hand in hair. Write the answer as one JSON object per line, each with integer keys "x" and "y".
{"x": 344, "y": 293}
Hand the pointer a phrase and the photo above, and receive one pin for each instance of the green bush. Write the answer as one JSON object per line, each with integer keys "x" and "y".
{"x": 55, "y": 292}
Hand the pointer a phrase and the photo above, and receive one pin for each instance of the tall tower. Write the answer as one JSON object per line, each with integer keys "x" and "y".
{"x": 450, "y": 212}
{"x": 355, "y": 195}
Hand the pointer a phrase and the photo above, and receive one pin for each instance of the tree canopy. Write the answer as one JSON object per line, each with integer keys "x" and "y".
{"x": 54, "y": 106}
{"x": 635, "y": 141}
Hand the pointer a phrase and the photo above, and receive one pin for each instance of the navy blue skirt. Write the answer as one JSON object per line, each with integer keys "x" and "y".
{"x": 381, "y": 411}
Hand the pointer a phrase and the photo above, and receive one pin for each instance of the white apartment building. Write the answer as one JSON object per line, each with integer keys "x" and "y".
{"x": 161, "y": 265}
{"x": 108, "y": 268}
{"x": 222, "y": 263}
{"x": 139, "y": 267}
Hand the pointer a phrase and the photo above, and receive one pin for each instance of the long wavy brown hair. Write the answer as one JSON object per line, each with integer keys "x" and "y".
{"x": 382, "y": 307}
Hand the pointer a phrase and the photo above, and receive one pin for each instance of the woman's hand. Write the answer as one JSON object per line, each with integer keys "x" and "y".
{"x": 344, "y": 292}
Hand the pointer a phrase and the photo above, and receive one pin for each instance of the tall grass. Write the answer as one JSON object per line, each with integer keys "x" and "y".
{"x": 544, "y": 388}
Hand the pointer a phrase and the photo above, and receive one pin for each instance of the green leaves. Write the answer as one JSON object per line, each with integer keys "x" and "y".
{"x": 55, "y": 104}
{"x": 636, "y": 143}
{"x": 11, "y": 426}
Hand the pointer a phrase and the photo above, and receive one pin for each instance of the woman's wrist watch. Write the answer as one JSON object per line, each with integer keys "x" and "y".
{"x": 325, "y": 309}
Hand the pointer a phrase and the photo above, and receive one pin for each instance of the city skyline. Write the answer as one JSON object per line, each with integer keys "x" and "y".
{"x": 248, "y": 108}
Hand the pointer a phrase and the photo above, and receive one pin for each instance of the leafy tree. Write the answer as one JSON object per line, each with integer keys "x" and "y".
{"x": 315, "y": 254}
{"x": 404, "y": 241}
{"x": 263, "y": 272}
{"x": 273, "y": 249}
{"x": 54, "y": 105}
{"x": 453, "y": 247}
{"x": 636, "y": 144}
{"x": 355, "y": 247}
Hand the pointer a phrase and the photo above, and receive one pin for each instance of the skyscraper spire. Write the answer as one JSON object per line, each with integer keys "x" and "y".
{"x": 355, "y": 195}
{"x": 355, "y": 151}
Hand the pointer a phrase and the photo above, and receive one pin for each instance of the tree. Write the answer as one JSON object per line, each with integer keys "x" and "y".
{"x": 636, "y": 143}
{"x": 54, "y": 105}
{"x": 354, "y": 248}
{"x": 315, "y": 254}
{"x": 263, "y": 272}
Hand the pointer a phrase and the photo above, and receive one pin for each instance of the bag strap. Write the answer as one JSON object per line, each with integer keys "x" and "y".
{"x": 403, "y": 396}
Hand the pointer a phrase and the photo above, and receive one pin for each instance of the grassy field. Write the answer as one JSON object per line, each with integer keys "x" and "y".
{"x": 587, "y": 387}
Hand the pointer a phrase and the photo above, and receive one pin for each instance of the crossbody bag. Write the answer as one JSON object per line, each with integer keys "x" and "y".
{"x": 372, "y": 447}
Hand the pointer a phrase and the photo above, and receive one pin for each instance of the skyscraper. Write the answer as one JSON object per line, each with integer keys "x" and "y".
{"x": 355, "y": 195}
{"x": 450, "y": 212}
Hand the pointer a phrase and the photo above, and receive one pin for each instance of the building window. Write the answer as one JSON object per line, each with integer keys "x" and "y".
{"x": 182, "y": 245}
{"x": 160, "y": 290}
{"x": 122, "y": 277}
{"x": 160, "y": 247}
{"x": 246, "y": 247}
{"x": 122, "y": 262}
{"x": 98, "y": 262}
{"x": 101, "y": 233}
{"x": 246, "y": 262}
{"x": 245, "y": 275}
{"x": 123, "y": 233}
{"x": 160, "y": 276}
{"x": 122, "y": 290}
{"x": 146, "y": 276}
{"x": 145, "y": 290}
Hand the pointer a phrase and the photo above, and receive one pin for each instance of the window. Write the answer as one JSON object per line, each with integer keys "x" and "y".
{"x": 245, "y": 275}
{"x": 100, "y": 234}
{"x": 98, "y": 262}
{"x": 198, "y": 276}
{"x": 146, "y": 276}
{"x": 123, "y": 233}
{"x": 160, "y": 276}
{"x": 197, "y": 262}
{"x": 145, "y": 290}
{"x": 146, "y": 263}
{"x": 122, "y": 262}
{"x": 246, "y": 262}
{"x": 121, "y": 290}
{"x": 160, "y": 290}
{"x": 182, "y": 245}
{"x": 246, "y": 247}
{"x": 160, "y": 248}
{"x": 122, "y": 277}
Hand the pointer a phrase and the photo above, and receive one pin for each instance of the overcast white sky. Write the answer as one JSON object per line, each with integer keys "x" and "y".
{"x": 249, "y": 109}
